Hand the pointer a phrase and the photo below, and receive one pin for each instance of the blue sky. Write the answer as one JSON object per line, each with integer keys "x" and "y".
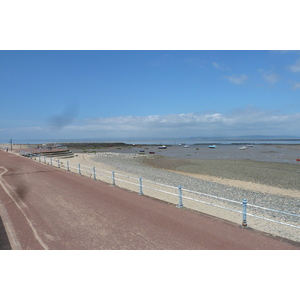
{"x": 148, "y": 94}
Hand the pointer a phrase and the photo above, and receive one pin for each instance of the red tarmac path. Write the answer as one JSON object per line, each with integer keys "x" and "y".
{"x": 43, "y": 207}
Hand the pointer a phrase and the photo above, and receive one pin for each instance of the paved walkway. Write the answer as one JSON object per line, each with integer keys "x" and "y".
{"x": 43, "y": 207}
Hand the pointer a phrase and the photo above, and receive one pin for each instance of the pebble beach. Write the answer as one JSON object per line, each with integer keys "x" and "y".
{"x": 268, "y": 183}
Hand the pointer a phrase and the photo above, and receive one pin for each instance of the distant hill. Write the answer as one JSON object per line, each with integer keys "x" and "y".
{"x": 268, "y": 137}
{"x": 250, "y": 137}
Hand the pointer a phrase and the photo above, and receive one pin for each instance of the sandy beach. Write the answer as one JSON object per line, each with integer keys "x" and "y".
{"x": 269, "y": 177}
{"x": 272, "y": 178}
{"x": 268, "y": 168}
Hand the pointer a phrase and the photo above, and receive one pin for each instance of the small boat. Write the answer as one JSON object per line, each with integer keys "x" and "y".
{"x": 212, "y": 146}
{"x": 162, "y": 147}
{"x": 186, "y": 146}
{"x": 151, "y": 152}
{"x": 298, "y": 159}
{"x": 242, "y": 148}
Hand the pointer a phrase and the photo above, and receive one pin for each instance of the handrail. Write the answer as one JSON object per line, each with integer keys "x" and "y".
{"x": 92, "y": 171}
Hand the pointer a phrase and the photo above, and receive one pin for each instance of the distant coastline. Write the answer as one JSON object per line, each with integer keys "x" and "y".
{"x": 168, "y": 141}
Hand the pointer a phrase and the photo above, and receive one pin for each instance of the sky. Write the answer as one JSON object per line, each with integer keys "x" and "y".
{"x": 148, "y": 94}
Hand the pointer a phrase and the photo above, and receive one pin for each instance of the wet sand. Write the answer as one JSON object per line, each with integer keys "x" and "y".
{"x": 232, "y": 172}
{"x": 255, "y": 168}
{"x": 265, "y": 153}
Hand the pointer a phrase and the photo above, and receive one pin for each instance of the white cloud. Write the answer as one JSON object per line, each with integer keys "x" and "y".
{"x": 296, "y": 86}
{"x": 237, "y": 79}
{"x": 296, "y": 67}
{"x": 239, "y": 122}
{"x": 270, "y": 77}
{"x": 248, "y": 121}
{"x": 216, "y": 65}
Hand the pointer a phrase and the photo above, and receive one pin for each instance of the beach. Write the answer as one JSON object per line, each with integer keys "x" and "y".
{"x": 259, "y": 167}
{"x": 264, "y": 184}
{"x": 224, "y": 173}
{"x": 277, "y": 178}
{"x": 273, "y": 168}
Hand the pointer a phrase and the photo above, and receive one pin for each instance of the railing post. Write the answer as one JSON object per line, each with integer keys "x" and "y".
{"x": 68, "y": 169}
{"x": 44, "y": 159}
{"x": 141, "y": 186}
{"x": 58, "y": 164}
{"x": 244, "y": 224}
{"x": 40, "y": 158}
{"x": 79, "y": 172}
{"x": 180, "y": 205}
{"x": 51, "y": 161}
{"x": 94, "y": 172}
{"x": 113, "y": 178}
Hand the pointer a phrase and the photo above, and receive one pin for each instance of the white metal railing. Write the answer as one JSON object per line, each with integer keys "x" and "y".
{"x": 194, "y": 196}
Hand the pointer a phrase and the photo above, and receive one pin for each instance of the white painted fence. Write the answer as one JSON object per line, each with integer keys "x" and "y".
{"x": 238, "y": 210}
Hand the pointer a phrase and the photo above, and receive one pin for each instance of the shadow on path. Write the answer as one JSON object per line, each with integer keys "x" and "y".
{"x": 4, "y": 241}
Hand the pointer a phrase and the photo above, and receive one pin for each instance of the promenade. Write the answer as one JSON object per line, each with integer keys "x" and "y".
{"x": 43, "y": 207}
